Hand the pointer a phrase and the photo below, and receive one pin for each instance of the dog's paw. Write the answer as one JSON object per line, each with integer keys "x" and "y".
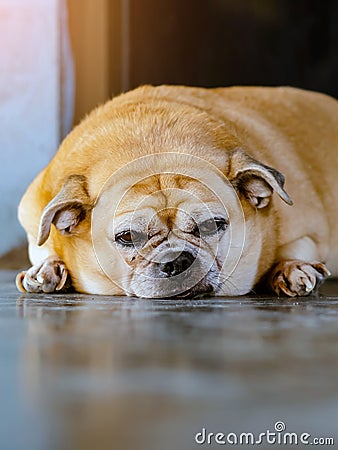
{"x": 49, "y": 276}
{"x": 297, "y": 278}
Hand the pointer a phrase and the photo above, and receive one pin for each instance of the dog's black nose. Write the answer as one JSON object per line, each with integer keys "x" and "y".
{"x": 177, "y": 265}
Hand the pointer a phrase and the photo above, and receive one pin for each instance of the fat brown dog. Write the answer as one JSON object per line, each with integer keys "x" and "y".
{"x": 180, "y": 219}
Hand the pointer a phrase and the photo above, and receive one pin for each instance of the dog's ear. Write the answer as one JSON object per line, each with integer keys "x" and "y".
{"x": 255, "y": 180}
{"x": 66, "y": 209}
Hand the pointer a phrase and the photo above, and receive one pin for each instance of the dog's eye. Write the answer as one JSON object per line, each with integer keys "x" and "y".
{"x": 130, "y": 238}
{"x": 210, "y": 226}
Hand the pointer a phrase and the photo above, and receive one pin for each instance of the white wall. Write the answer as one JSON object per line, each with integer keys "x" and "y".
{"x": 30, "y": 99}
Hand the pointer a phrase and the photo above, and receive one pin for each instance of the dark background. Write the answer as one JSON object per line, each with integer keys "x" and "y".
{"x": 235, "y": 42}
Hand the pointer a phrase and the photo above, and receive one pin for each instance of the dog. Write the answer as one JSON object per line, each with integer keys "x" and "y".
{"x": 174, "y": 191}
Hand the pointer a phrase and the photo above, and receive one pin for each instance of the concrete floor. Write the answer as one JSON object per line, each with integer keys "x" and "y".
{"x": 85, "y": 372}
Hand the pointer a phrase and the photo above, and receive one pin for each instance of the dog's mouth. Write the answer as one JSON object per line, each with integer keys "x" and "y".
{"x": 190, "y": 283}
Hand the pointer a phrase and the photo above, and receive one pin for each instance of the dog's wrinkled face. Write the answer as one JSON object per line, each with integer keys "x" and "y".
{"x": 172, "y": 236}
{"x": 168, "y": 230}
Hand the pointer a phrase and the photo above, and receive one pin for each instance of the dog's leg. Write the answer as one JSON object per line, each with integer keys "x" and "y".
{"x": 299, "y": 272}
{"x": 49, "y": 276}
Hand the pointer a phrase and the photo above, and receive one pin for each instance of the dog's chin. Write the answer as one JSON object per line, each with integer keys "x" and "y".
{"x": 201, "y": 289}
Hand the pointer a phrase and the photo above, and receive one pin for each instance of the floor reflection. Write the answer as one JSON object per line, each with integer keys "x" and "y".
{"x": 119, "y": 373}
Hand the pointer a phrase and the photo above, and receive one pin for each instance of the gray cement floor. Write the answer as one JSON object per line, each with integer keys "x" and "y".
{"x": 85, "y": 372}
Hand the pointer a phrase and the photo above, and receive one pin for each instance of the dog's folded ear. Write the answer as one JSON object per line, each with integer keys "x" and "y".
{"x": 66, "y": 209}
{"x": 255, "y": 180}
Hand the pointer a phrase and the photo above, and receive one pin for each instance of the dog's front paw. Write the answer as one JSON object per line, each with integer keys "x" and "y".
{"x": 49, "y": 276}
{"x": 297, "y": 278}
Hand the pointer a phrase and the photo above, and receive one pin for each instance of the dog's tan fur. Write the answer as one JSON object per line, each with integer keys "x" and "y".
{"x": 290, "y": 130}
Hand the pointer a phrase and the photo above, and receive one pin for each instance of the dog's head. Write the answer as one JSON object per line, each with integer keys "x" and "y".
{"x": 172, "y": 234}
{"x": 173, "y": 225}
